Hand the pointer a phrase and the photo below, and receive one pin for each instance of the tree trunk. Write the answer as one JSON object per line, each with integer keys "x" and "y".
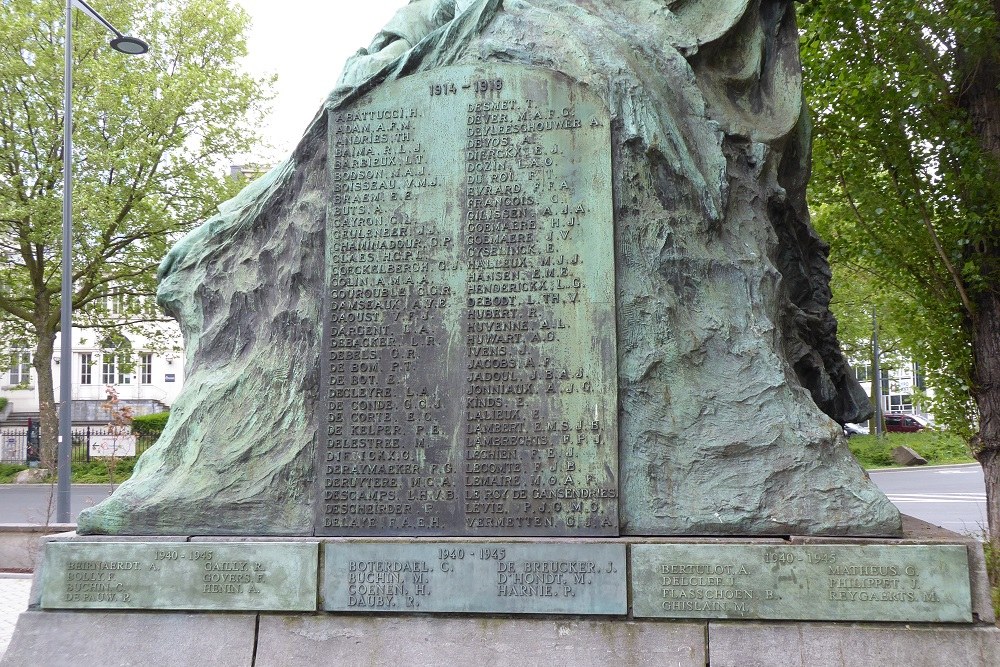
{"x": 46, "y": 399}
{"x": 980, "y": 97}
{"x": 986, "y": 444}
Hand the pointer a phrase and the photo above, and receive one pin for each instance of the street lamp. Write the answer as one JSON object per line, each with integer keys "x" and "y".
{"x": 877, "y": 372}
{"x": 131, "y": 46}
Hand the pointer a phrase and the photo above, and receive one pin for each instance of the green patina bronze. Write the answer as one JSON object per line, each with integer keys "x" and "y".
{"x": 203, "y": 576}
{"x": 728, "y": 373}
{"x": 829, "y": 582}
{"x": 578, "y": 577}
{"x": 469, "y": 352}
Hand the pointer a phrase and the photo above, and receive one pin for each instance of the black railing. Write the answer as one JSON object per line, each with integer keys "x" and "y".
{"x": 89, "y": 443}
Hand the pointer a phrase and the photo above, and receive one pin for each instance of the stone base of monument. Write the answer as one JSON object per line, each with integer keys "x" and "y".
{"x": 920, "y": 600}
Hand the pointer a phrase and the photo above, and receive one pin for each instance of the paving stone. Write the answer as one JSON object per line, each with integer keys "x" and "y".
{"x": 14, "y": 591}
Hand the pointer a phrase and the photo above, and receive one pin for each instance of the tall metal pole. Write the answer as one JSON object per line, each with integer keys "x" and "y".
{"x": 66, "y": 317}
{"x": 877, "y": 372}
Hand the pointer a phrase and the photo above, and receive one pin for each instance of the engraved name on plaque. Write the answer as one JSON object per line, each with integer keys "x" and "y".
{"x": 577, "y": 577}
{"x": 814, "y": 582}
{"x": 222, "y": 576}
{"x": 469, "y": 373}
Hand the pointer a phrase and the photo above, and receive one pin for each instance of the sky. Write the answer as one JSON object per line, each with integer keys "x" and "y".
{"x": 305, "y": 42}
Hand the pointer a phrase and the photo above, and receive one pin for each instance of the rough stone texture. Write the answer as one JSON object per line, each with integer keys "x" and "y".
{"x": 68, "y": 639}
{"x": 905, "y": 456}
{"x": 727, "y": 350}
{"x": 850, "y": 645}
{"x": 490, "y": 642}
{"x": 31, "y": 476}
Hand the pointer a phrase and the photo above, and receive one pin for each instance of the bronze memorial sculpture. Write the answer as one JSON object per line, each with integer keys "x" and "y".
{"x": 531, "y": 324}
{"x": 726, "y": 352}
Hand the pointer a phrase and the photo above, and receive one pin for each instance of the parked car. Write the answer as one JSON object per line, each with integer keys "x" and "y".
{"x": 902, "y": 423}
{"x": 851, "y": 430}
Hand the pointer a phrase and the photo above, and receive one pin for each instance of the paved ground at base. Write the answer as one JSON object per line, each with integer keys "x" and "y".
{"x": 14, "y": 589}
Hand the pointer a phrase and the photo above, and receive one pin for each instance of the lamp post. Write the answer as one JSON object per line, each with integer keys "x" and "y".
{"x": 877, "y": 372}
{"x": 131, "y": 46}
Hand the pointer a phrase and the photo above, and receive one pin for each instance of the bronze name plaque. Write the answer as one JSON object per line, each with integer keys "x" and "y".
{"x": 469, "y": 362}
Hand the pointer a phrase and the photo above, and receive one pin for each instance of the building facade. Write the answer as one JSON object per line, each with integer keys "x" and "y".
{"x": 147, "y": 372}
{"x": 903, "y": 387}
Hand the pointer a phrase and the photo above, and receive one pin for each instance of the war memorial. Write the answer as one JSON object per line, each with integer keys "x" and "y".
{"x": 523, "y": 357}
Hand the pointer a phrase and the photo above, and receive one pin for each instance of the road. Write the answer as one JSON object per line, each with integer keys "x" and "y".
{"x": 953, "y": 497}
{"x": 28, "y": 503}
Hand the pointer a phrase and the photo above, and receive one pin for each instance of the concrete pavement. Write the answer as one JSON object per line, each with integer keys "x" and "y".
{"x": 14, "y": 589}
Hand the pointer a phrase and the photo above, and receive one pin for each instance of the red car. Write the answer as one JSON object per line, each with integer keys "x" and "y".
{"x": 902, "y": 423}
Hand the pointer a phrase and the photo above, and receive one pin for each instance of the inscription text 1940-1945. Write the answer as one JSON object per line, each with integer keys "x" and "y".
{"x": 475, "y": 577}
{"x": 803, "y": 582}
{"x": 168, "y": 575}
{"x": 469, "y": 348}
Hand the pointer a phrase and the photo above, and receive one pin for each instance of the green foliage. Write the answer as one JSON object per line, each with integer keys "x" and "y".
{"x": 9, "y": 471}
{"x": 97, "y": 471}
{"x": 991, "y": 548}
{"x": 3, "y": 403}
{"x": 937, "y": 447}
{"x": 902, "y": 186}
{"x": 94, "y": 472}
{"x": 153, "y": 136}
{"x": 150, "y": 425}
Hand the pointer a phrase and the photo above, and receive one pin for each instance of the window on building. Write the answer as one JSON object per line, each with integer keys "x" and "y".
{"x": 20, "y": 368}
{"x": 145, "y": 368}
{"x": 116, "y": 360}
{"x": 863, "y": 372}
{"x": 150, "y": 307}
{"x": 86, "y": 368}
{"x": 116, "y": 302}
{"x": 901, "y": 403}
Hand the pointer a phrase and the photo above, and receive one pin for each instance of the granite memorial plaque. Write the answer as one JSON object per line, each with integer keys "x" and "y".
{"x": 481, "y": 577}
{"x": 206, "y": 576}
{"x": 876, "y": 582}
{"x": 469, "y": 365}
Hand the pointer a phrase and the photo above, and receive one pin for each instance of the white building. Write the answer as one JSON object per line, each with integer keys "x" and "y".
{"x": 902, "y": 386}
{"x": 147, "y": 375}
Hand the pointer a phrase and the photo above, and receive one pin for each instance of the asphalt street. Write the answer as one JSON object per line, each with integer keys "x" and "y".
{"x": 953, "y": 497}
{"x": 29, "y": 503}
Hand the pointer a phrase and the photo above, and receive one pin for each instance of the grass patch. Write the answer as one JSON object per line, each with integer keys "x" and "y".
{"x": 992, "y": 550}
{"x": 95, "y": 472}
{"x": 938, "y": 447}
{"x": 8, "y": 472}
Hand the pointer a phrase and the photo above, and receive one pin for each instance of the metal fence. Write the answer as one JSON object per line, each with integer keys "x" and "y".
{"x": 89, "y": 443}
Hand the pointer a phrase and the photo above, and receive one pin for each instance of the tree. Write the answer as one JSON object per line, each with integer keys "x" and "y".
{"x": 857, "y": 297}
{"x": 151, "y": 134}
{"x": 907, "y": 166}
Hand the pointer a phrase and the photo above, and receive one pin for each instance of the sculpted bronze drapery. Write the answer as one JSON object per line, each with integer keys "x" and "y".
{"x": 729, "y": 369}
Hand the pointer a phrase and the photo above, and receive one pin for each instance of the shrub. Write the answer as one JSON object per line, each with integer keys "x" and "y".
{"x": 871, "y": 452}
{"x": 151, "y": 425}
{"x": 3, "y": 403}
{"x": 97, "y": 472}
